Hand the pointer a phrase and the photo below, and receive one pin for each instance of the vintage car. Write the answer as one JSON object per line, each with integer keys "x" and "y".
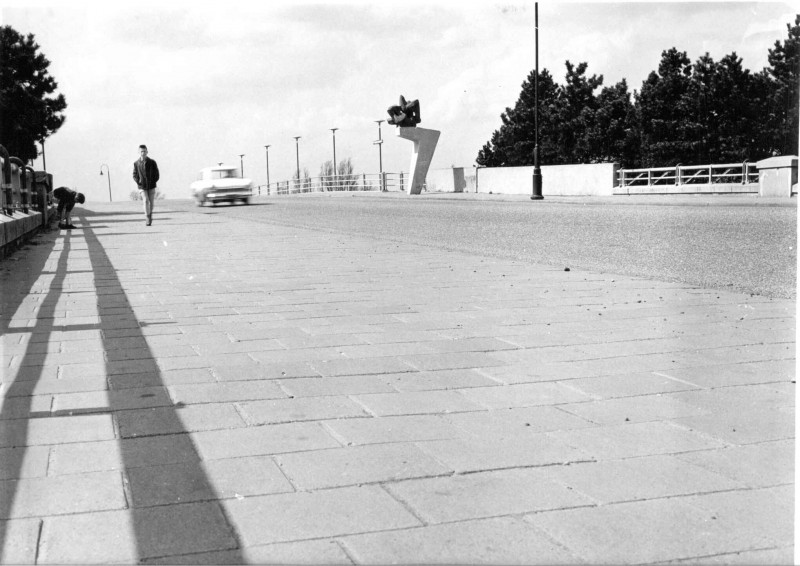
{"x": 222, "y": 183}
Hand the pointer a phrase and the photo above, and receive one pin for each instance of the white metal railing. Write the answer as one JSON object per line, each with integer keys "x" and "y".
{"x": 727, "y": 173}
{"x": 332, "y": 183}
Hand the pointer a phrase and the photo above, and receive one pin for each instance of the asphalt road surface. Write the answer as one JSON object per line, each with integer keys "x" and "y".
{"x": 735, "y": 243}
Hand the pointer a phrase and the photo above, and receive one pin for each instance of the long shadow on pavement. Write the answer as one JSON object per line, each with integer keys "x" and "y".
{"x": 175, "y": 508}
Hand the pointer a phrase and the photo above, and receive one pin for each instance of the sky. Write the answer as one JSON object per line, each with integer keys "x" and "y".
{"x": 201, "y": 83}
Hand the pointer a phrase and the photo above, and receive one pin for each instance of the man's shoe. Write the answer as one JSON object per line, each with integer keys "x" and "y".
{"x": 69, "y": 226}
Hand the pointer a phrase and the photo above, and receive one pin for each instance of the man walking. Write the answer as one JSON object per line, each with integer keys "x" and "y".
{"x": 66, "y": 202}
{"x": 145, "y": 173}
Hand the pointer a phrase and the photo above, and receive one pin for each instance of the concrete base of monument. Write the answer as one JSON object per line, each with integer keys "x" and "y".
{"x": 424, "y": 145}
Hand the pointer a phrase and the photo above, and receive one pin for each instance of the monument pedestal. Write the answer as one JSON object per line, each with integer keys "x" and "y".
{"x": 424, "y": 145}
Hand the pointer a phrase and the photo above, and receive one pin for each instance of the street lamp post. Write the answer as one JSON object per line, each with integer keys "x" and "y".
{"x": 108, "y": 171}
{"x": 266, "y": 147}
{"x": 537, "y": 171}
{"x": 297, "y": 148}
{"x": 241, "y": 164}
{"x": 333, "y": 130}
{"x": 379, "y": 143}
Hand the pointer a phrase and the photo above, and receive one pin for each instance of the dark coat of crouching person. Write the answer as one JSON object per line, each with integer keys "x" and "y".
{"x": 66, "y": 202}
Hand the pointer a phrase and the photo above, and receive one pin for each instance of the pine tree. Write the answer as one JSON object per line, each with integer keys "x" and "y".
{"x": 611, "y": 136}
{"x": 512, "y": 145}
{"x": 29, "y": 109}
{"x": 666, "y": 136}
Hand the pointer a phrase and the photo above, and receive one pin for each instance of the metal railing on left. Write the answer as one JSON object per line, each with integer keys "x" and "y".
{"x": 22, "y": 188}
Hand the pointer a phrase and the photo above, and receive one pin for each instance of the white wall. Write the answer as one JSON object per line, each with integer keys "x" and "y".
{"x": 557, "y": 180}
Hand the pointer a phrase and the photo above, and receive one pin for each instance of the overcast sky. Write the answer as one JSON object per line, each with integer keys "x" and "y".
{"x": 201, "y": 82}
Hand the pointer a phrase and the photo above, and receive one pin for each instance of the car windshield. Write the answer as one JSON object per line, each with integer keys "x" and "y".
{"x": 225, "y": 174}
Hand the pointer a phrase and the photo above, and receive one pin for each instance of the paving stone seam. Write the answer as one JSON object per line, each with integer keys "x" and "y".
{"x": 482, "y": 372}
{"x": 214, "y": 498}
{"x": 684, "y": 559}
{"x": 519, "y": 467}
{"x": 708, "y": 436}
{"x": 553, "y": 540}
{"x": 695, "y": 559}
{"x": 695, "y": 387}
{"x": 672, "y": 454}
{"x": 605, "y": 373}
{"x": 286, "y": 476}
{"x": 364, "y": 408}
{"x": 104, "y": 411}
{"x": 295, "y": 487}
{"x": 378, "y": 483}
{"x": 663, "y": 497}
{"x": 678, "y": 496}
{"x": 403, "y": 503}
{"x": 679, "y": 380}
{"x": 516, "y": 516}
{"x": 339, "y": 438}
{"x": 346, "y": 551}
{"x": 578, "y": 358}
{"x": 561, "y": 409}
{"x": 591, "y": 397}
{"x": 242, "y": 415}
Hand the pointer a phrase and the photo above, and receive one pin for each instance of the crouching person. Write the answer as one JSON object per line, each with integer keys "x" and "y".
{"x": 66, "y": 202}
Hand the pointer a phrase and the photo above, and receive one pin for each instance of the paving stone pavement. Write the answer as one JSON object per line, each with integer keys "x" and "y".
{"x": 215, "y": 391}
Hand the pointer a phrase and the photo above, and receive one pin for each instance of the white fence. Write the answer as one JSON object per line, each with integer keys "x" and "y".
{"x": 329, "y": 183}
{"x": 597, "y": 179}
{"x": 722, "y": 178}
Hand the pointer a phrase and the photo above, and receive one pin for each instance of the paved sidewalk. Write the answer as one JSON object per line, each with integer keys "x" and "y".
{"x": 211, "y": 391}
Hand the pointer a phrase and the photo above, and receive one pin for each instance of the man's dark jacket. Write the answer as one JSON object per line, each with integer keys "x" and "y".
{"x": 145, "y": 173}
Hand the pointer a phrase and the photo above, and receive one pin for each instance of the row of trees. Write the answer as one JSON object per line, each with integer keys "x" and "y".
{"x": 706, "y": 112}
{"x": 342, "y": 179}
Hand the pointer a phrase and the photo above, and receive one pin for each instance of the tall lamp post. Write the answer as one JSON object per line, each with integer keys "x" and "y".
{"x": 297, "y": 148}
{"x": 379, "y": 143}
{"x": 537, "y": 171}
{"x": 241, "y": 164}
{"x": 333, "y": 131}
{"x": 266, "y": 147}
{"x": 108, "y": 171}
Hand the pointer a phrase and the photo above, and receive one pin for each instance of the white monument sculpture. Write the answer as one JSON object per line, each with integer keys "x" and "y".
{"x": 406, "y": 116}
